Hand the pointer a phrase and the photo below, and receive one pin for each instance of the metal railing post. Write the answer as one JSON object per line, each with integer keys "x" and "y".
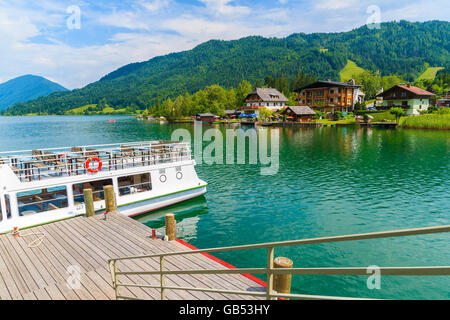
{"x": 270, "y": 256}
{"x": 162, "y": 280}
{"x": 113, "y": 270}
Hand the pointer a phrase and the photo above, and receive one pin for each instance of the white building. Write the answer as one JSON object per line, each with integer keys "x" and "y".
{"x": 411, "y": 98}
{"x": 269, "y": 98}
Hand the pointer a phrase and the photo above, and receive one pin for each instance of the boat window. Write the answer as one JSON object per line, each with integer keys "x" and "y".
{"x": 8, "y": 207}
{"x": 134, "y": 184}
{"x": 97, "y": 190}
{"x": 41, "y": 200}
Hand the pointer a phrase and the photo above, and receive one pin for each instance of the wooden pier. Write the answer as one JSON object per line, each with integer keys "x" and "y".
{"x": 48, "y": 270}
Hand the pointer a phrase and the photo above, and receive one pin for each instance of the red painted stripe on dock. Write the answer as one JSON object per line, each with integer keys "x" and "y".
{"x": 225, "y": 264}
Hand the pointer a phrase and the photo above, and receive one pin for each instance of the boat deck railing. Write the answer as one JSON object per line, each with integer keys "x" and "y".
{"x": 270, "y": 271}
{"x": 40, "y": 164}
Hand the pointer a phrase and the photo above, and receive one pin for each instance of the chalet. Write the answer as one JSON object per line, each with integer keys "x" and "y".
{"x": 411, "y": 98}
{"x": 329, "y": 96}
{"x": 205, "y": 117}
{"x": 299, "y": 113}
{"x": 261, "y": 98}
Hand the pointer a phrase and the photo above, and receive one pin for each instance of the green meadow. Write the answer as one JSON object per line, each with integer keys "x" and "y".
{"x": 350, "y": 71}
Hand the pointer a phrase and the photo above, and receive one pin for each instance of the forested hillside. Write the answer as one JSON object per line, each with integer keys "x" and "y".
{"x": 402, "y": 48}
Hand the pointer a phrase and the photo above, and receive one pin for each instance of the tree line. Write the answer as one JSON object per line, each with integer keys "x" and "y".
{"x": 216, "y": 99}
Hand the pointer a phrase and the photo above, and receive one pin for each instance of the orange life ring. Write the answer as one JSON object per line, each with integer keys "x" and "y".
{"x": 88, "y": 164}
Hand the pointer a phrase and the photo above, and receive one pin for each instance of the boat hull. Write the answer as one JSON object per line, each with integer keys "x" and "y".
{"x": 149, "y": 205}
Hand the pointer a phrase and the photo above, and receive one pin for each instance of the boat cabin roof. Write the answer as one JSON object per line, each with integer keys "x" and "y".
{"x": 41, "y": 164}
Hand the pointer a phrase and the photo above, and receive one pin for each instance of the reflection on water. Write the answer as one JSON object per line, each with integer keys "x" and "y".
{"x": 187, "y": 215}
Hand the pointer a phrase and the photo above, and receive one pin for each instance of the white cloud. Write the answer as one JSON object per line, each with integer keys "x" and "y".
{"x": 16, "y": 28}
{"x": 155, "y": 5}
{"x": 224, "y": 7}
{"x": 335, "y": 4}
{"x": 124, "y": 19}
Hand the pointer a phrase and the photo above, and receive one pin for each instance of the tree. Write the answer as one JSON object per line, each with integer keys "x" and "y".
{"x": 390, "y": 81}
{"x": 371, "y": 83}
{"x": 397, "y": 112}
{"x": 265, "y": 114}
{"x": 102, "y": 104}
{"x": 283, "y": 85}
{"x": 242, "y": 91}
{"x": 359, "y": 106}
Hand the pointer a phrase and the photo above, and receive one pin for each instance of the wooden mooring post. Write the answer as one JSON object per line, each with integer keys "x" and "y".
{"x": 282, "y": 282}
{"x": 110, "y": 199}
{"x": 171, "y": 227}
{"x": 89, "y": 202}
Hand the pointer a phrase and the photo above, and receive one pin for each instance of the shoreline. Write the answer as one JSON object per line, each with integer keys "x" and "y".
{"x": 390, "y": 125}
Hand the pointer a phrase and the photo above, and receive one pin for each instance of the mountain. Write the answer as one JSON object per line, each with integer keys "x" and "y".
{"x": 26, "y": 88}
{"x": 403, "y": 48}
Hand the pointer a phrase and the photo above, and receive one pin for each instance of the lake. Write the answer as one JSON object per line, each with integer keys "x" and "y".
{"x": 331, "y": 181}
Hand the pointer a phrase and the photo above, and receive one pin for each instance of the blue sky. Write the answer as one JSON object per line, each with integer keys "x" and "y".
{"x": 44, "y": 38}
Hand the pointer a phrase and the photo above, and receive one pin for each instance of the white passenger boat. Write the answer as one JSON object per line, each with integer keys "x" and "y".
{"x": 46, "y": 185}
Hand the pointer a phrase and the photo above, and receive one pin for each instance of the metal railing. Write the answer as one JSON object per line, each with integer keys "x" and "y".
{"x": 32, "y": 165}
{"x": 270, "y": 271}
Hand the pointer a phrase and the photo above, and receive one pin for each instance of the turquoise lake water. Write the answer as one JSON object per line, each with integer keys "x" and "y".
{"x": 331, "y": 181}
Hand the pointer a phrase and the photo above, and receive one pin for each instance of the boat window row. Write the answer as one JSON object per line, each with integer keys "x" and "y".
{"x": 134, "y": 184}
{"x": 55, "y": 198}
{"x": 42, "y": 200}
{"x": 95, "y": 186}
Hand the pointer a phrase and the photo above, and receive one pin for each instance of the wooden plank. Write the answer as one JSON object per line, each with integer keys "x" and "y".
{"x": 178, "y": 280}
{"x": 69, "y": 294}
{"x": 10, "y": 275}
{"x": 62, "y": 259}
{"x": 52, "y": 261}
{"x": 199, "y": 279}
{"x": 104, "y": 286}
{"x": 231, "y": 281}
{"x": 184, "y": 280}
{"x": 85, "y": 246}
{"x": 4, "y": 294}
{"x": 14, "y": 268}
{"x": 92, "y": 288}
{"x": 130, "y": 279}
{"x": 104, "y": 248}
{"x": 54, "y": 292}
{"x": 42, "y": 294}
{"x": 59, "y": 257}
{"x": 29, "y": 296}
{"x": 83, "y": 293}
{"x": 34, "y": 255}
{"x": 68, "y": 245}
{"x": 155, "y": 266}
{"x": 152, "y": 294}
{"x": 27, "y": 264}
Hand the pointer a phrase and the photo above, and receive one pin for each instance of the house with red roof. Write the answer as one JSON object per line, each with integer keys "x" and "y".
{"x": 408, "y": 97}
